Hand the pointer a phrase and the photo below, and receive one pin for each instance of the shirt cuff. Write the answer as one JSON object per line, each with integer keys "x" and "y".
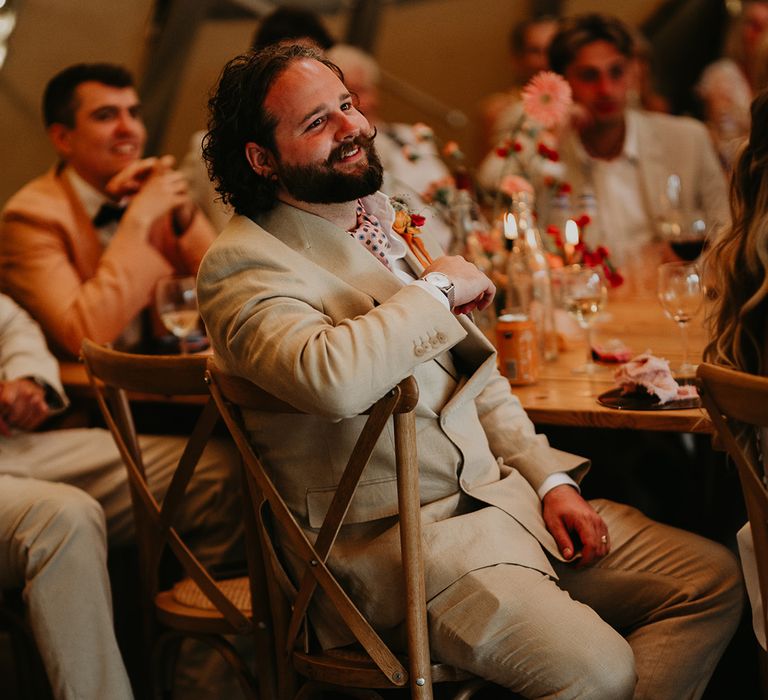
{"x": 434, "y": 291}
{"x": 556, "y": 479}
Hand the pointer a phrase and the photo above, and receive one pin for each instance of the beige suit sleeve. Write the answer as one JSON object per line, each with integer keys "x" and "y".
{"x": 266, "y": 316}
{"x": 513, "y": 438}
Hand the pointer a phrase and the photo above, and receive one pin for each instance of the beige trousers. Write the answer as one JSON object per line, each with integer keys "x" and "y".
{"x": 88, "y": 459}
{"x": 650, "y": 620}
{"x": 53, "y": 542}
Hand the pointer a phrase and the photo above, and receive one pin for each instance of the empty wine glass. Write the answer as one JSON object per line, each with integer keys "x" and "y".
{"x": 582, "y": 293}
{"x": 681, "y": 294}
{"x": 176, "y": 302}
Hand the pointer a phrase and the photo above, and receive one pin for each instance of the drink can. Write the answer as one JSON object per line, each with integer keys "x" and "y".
{"x": 516, "y": 345}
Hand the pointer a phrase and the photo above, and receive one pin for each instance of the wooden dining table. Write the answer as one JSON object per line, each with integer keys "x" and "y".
{"x": 561, "y": 397}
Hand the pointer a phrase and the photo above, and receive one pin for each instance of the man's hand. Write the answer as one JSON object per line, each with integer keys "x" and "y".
{"x": 568, "y": 516}
{"x": 472, "y": 289}
{"x": 22, "y": 405}
{"x": 163, "y": 191}
{"x": 131, "y": 178}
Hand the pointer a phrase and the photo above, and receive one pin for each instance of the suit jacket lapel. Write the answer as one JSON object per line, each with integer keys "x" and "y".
{"x": 331, "y": 248}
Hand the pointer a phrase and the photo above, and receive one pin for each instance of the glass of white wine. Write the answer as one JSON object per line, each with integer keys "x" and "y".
{"x": 681, "y": 294}
{"x": 582, "y": 293}
{"x": 176, "y": 302}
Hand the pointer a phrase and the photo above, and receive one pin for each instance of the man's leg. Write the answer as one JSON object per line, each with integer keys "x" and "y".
{"x": 53, "y": 542}
{"x": 88, "y": 459}
{"x": 676, "y": 596}
{"x": 514, "y": 626}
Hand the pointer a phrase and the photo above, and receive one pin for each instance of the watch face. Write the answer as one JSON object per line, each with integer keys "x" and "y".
{"x": 439, "y": 279}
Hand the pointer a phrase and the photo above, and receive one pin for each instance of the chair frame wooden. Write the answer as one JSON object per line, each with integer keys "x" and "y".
{"x": 166, "y": 622}
{"x": 734, "y": 401}
{"x": 379, "y": 667}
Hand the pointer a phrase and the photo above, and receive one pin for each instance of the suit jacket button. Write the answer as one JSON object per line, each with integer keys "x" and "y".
{"x": 434, "y": 341}
{"x": 419, "y": 350}
{"x": 442, "y": 337}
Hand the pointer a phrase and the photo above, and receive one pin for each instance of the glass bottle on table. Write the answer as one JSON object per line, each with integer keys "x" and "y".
{"x": 529, "y": 285}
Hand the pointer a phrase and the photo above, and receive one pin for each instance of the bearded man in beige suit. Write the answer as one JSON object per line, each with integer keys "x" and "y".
{"x": 69, "y": 256}
{"x": 310, "y": 294}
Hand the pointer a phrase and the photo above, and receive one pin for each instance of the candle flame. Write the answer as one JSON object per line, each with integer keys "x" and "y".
{"x": 510, "y": 226}
{"x": 571, "y": 232}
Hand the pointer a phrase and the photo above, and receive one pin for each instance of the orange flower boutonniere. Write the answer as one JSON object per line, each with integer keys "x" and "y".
{"x": 408, "y": 226}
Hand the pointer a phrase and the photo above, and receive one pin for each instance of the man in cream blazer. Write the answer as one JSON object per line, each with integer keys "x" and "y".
{"x": 309, "y": 293}
{"x": 80, "y": 272}
{"x": 618, "y": 161}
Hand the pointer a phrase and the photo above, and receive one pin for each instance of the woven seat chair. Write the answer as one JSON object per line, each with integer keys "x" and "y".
{"x": 197, "y": 606}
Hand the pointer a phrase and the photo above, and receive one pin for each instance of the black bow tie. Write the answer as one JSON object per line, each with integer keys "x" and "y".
{"x": 108, "y": 213}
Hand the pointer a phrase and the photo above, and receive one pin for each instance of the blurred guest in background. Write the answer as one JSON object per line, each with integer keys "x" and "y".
{"x": 621, "y": 159}
{"x": 528, "y": 44}
{"x": 82, "y": 247}
{"x": 726, "y": 87}
{"x": 412, "y": 167}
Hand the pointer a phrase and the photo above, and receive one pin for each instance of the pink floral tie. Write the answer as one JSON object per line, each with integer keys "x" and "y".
{"x": 371, "y": 235}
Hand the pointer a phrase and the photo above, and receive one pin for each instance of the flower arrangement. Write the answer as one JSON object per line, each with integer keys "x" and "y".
{"x": 531, "y": 162}
{"x": 529, "y": 152}
{"x": 560, "y": 254}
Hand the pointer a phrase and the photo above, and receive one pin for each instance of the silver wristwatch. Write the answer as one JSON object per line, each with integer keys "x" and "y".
{"x": 444, "y": 284}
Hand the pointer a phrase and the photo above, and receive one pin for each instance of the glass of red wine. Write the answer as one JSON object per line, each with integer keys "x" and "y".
{"x": 692, "y": 239}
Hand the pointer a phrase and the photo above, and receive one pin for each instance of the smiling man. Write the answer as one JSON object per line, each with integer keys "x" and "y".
{"x": 311, "y": 293}
{"x": 82, "y": 247}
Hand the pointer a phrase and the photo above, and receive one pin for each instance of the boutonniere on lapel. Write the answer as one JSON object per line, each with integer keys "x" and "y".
{"x": 408, "y": 226}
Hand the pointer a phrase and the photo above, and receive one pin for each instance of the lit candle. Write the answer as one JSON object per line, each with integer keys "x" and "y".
{"x": 510, "y": 226}
{"x": 571, "y": 239}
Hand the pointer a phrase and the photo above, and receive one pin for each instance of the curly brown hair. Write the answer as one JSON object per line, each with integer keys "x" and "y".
{"x": 236, "y": 116}
{"x": 737, "y": 263}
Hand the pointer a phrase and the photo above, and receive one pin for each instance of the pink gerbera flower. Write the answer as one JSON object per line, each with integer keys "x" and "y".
{"x": 546, "y": 98}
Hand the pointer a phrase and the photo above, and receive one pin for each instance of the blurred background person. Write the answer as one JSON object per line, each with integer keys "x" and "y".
{"x": 528, "y": 44}
{"x": 727, "y": 86}
{"x": 412, "y": 166}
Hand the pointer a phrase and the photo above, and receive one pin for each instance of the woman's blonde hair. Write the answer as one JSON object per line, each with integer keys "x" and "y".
{"x": 737, "y": 263}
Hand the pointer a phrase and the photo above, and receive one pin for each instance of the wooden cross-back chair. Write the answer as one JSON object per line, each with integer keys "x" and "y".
{"x": 197, "y": 606}
{"x": 370, "y": 664}
{"x": 737, "y": 404}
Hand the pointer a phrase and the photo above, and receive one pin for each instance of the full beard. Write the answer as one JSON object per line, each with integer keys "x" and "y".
{"x": 323, "y": 184}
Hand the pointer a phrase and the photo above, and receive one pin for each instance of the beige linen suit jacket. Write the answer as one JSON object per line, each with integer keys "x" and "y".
{"x": 296, "y": 305}
{"x": 53, "y": 264}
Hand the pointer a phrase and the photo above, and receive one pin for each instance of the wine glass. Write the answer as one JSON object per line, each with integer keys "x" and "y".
{"x": 176, "y": 301}
{"x": 582, "y": 294}
{"x": 681, "y": 294}
{"x": 684, "y": 231}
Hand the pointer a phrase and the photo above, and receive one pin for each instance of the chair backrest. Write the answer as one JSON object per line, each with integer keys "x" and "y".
{"x": 113, "y": 375}
{"x": 737, "y": 403}
{"x": 235, "y": 394}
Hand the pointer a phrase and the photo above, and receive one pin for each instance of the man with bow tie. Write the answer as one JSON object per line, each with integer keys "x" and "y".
{"x": 311, "y": 294}
{"x": 83, "y": 246}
